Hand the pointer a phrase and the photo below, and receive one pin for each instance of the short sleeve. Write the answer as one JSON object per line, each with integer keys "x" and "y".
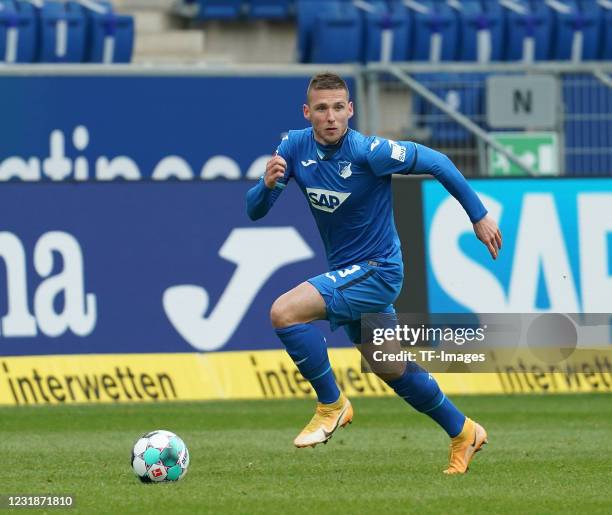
{"x": 386, "y": 156}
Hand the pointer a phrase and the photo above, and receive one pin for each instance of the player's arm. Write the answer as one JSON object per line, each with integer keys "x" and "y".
{"x": 261, "y": 197}
{"x": 427, "y": 160}
{"x": 412, "y": 158}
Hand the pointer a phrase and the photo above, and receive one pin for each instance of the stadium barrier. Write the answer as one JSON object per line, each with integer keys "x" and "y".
{"x": 257, "y": 374}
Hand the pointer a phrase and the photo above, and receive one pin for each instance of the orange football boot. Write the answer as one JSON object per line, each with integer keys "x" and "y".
{"x": 463, "y": 447}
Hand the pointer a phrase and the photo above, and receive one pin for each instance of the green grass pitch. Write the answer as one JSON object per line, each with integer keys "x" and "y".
{"x": 547, "y": 454}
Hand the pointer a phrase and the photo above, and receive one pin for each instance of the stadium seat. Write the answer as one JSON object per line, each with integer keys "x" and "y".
{"x": 343, "y": 19}
{"x": 386, "y": 32}
{"x": 18, "y": 34}
{"x": 269, "y": 9}
{"x": 434, "y": 34}
{"x": 606, "y": 31}
{"x": 530, "y": 28}
{"x": 340, "y": 22}
{"x": 219, "y": 9}
{"x": 109, "y": 37}
{"x": 307, "y": 12}
{"x": 481, "y": 31}
{"x": 62, "y": 30}
{"x": 577, "y": 30}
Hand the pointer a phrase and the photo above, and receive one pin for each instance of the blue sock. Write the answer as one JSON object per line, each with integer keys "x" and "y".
{"x": 306, "y": 346}
{"x": 422, "y": 392}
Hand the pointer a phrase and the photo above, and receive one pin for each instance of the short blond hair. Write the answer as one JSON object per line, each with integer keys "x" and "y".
{"x": 326, "y": 80}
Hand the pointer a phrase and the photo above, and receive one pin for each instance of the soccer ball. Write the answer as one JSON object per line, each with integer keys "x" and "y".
{"x": 160, "y": 456}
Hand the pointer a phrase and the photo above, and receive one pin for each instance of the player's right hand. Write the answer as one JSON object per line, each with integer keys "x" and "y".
{"x": 275, "y": 169}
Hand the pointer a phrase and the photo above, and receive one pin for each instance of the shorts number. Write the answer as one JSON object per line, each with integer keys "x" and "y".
{"x": 343, "y": 273}
{"x": 348, "y": 271}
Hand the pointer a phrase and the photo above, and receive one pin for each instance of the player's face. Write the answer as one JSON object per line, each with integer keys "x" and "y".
{"x": 328, "y": 110}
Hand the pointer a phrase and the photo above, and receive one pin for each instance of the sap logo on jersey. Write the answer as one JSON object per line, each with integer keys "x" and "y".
{"x": 326, "y": 200}
{"x": 556, "y": 257}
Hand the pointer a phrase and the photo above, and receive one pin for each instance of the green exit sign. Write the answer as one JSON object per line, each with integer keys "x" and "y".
{"x": 538, "y": 150}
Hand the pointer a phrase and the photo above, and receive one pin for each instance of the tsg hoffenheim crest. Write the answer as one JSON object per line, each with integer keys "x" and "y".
{"x": 344, "y": 169}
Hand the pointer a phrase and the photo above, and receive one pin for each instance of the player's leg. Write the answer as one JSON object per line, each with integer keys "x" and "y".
{"x": 410, "y": 381}
{"x": 322, "y": 297}
{"x": 420, "y": 390}
{"x": 407, "y": 379}
{"x": 291, "y": 315}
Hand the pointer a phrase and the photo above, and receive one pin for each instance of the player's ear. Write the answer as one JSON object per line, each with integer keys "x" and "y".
{"x": 306, "y": 110}
{"x": 350, "y": 109}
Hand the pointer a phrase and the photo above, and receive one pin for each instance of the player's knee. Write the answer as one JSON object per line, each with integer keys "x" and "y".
{"x": 280, "y": 314}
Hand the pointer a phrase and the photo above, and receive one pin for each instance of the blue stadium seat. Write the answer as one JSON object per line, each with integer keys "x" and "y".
{"x": 530, "y": 27}
{"x": 435, "y": 31}
{"x": 481, "y": 31}
{"x": 109, "y": 36}
{"x": 577, "y": 30}
{"x": 606, "y": 30}
{"x": 269, "y": 9}
{"x": 62, "y": 30}
{"x": 18, "y": 32}
{"x": 343, "y": 19}
{"x": 340, "y": 22}
{"x": 307, "y": 12}
{"x": 386, "y": 32}
{"x": 112, "y": 39}
{"x": 601, "y": 10}
{"x": 219, "y": 9}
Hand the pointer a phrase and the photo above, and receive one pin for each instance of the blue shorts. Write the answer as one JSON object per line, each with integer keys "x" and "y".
{"x": 365, "y": 287}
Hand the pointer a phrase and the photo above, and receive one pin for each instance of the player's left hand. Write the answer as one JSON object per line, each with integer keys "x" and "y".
{"x": 487, "y": 231}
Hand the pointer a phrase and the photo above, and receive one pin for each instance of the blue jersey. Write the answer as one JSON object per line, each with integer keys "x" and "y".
{"x": 349, "y": 191}
{"x": 349, "y": 194}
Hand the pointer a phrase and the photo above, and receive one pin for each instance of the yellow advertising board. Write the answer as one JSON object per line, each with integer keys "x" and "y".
{"x": 253, "y": 375}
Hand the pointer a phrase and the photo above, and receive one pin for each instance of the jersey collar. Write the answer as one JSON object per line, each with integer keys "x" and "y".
{"x": 326, "y": 152}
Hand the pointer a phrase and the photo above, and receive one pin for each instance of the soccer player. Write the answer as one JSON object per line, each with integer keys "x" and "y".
{"x": 346, "y": 178}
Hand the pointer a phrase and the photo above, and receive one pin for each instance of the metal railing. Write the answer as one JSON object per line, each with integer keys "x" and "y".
{"x": 445, "y": 107}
